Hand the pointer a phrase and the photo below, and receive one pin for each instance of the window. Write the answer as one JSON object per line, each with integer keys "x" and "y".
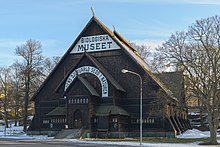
{"x": 150, "y": 120}
{"x": 114, "y": 119}
{"x": 45, "y": 121}
{"x": 95, "y": 120}
{"x": 80, "y": 100}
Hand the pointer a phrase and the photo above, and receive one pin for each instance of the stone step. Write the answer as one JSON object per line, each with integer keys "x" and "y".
{"x": 69, "y": 133}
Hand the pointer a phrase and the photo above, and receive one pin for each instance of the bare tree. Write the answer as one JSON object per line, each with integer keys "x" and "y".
{"x": 17, "y": 83}
{"x": 42, "y": 72}
{"x": 5, "y": 80}
{"x": 159, "y": 63}
{"x": 49, "y": 64}
{"x": 31, "y": 53}
{"x": 143, "y": 50}
{"x": 197, "y": 53}
{"x": 153, "y": 58}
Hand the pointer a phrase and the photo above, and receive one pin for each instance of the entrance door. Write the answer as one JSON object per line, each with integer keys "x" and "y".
{"x": 103, "y": 123}
{"x": 78, "y": 119}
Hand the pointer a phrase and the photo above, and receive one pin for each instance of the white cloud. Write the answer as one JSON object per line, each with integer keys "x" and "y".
{"x": 9, "y": 43}
{"x": 152, "y": 43}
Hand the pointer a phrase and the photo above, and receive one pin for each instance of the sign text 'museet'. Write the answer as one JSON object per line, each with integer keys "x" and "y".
{"x": 94, "y": 44}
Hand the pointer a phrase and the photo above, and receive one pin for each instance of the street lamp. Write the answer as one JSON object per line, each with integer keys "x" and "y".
{"x": 134, "y": 73}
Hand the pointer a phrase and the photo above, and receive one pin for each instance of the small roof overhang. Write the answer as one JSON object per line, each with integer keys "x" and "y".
{"x": 110, "y": 110}
{"x": 58, "y": 111}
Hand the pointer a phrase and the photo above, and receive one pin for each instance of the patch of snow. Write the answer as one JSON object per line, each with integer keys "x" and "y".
{"x": 194, "y": 133}
{"x": 193, "y": 113}
{"x": 17, "y": 132}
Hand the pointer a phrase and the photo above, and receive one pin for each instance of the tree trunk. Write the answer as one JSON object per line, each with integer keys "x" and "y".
{"x": 213, "y": 125}
{"x": 5, "y": 110}
{"x": 26, "y": 98}
{"x": 213, "y": 135}
{"x": 16, "y": 117}
{"x": 16, "y": 107}
{"x": 201, "y": 113}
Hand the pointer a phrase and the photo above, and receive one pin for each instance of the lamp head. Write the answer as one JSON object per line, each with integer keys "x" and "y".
{"x": 124, "y": 70}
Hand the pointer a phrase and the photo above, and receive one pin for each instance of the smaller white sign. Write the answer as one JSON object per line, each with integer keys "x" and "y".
{"x": 95, "y": 44}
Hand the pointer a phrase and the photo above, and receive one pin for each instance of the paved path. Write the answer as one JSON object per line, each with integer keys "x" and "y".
{"x": 48, "y": 143}
{"x": 7, "y": 142}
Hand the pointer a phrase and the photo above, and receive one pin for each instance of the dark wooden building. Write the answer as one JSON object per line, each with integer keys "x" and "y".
{"x": 88, "y": 93}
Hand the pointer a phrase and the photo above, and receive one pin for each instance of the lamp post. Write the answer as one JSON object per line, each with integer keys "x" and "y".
{"x": 141, "y": 121}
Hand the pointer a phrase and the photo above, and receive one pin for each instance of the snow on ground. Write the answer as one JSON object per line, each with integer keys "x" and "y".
{"x": 17, "y": 133}
{"x": 188, "y": 134}
{"x": 194, "y": 133}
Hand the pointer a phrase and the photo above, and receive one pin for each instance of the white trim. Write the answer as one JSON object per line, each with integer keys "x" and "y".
{"x": 91, "y": 70}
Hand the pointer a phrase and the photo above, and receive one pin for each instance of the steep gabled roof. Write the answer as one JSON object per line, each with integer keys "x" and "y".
{"x": 88, "y": 86}
{"x": 132, "y": 52}
{"x": 139, "y": 60}
{"x": 106, "y": 73}
{"x": 100, "y": 67}
{"x": 124, "y": 44}
{"x": 68, "y": 53}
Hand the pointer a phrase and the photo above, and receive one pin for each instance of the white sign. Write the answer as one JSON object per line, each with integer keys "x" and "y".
{"x": 91, "y": 70}
{"x": 94, "y": 44}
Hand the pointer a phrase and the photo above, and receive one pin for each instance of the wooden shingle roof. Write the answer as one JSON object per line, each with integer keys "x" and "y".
{"x": 58, "y": 111}
{"x": 125, "y": 45}
{"x": 132, "y": 52}
{"x": 100, "y": 67}
{"x": 110, "y": 110}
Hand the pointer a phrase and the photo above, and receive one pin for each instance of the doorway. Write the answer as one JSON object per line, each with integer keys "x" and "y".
{"x": 77, "y": 119}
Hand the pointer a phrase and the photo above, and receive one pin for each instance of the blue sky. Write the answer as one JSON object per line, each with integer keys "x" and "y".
{"x": 56, "y": 23}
